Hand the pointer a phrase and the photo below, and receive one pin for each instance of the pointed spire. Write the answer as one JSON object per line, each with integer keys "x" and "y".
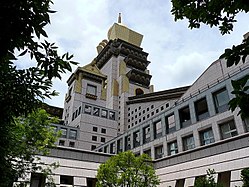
{"x": 119, "y": 18}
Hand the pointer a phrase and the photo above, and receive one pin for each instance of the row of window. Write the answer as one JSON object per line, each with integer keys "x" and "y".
{"x": 103, "y": 130}
{"x": 98, "y": 112}
{"x": 227, "y": 130}
{"x": 67, "y": 133}
{"x": 95, "y": 138}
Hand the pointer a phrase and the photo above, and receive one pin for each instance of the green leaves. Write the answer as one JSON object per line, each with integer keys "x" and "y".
{"x": 125, "y": 169}
{"x": 208, "y": 180}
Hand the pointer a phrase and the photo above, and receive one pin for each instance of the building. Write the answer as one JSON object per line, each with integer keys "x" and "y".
{"x": 111, "y": 107}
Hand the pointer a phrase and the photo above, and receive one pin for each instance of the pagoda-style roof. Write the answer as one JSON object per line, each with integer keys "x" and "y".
{"x": 139, "y": 77}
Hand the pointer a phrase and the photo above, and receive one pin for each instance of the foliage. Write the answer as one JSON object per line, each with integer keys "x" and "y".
{"x": 207, "y": 181}
{"x": 245, "y": 177}
{"x": 220, "y": 14}
{"x": 22, "y": 32}
{"x": 125, "y": 169}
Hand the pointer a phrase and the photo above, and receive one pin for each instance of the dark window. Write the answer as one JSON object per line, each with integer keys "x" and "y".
{"x": 148, "y": 109}
{"x": 170, "y": 124}
{"x": 152, "y": 106}
{"x": 188, "y": 143}
{"x": 88, "y": 109}
{"x": 72, "y": 134}
{"x": 172, "y": 148}
{"x": 135, "y": 110}
{"x": 112, "y": 148}
{"x": 95, "y": 129}
{"x": 71, "y": 144}
{"x": 221, "y": 100}
{"x": 207, "y": 136}
{"x": 105, "y": 149}
{"x": 180, "y": 183}
{"x": 37, "y": 180}
{"x": 94, "y": 138}
{"x": 201, "y": 109}
{"x": 112, "y": 115}
{"x": 148, "y": 115}
{"x": 167, "y": 105}
{"x": 127, "y": 142}
{"x": 152, "y": 113}
{"x": 119, "y": 145}
{"x": 103, "y": 131}
{"x": 136, "y": 139}
{"x": 146, "y": 134}
{"x": 158, "y": 129}
{"x": 102, "y": 139}
{"x": 96, "y": 111}
{"x": 144, "y": 118}
{"x": 139, "y": 107}
{"x": 184, "y": 115}
{"x": 159, "y": 152}
{"x": 246, "y": 121}
{"x": 93, "y": 147}
{"x": 139, "y": 91}
{"x": 64, "y": 179}
{"x": 228, "y": 129}
{"x": 224, "y": 178}
{"x": 157, "y": 110}
{"x": 162, "y": 107}
{"x": 61, "y": 142}
{"x": 143, "y": 111}
{"x": 148, "y": 152}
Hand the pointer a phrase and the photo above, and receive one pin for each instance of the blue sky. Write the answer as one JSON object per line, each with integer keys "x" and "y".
{"x": 178, "y": 55}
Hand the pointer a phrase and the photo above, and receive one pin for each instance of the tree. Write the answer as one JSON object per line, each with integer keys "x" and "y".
{"x": 125, "y": 169}
{"x": 22, "y": 90}
{"x": 220, "y": 14}
{"x": 207, "y": 181}
{"x": 245, "y": 177}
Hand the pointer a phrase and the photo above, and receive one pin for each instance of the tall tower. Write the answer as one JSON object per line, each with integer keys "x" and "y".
{"x": 98, "y": 92}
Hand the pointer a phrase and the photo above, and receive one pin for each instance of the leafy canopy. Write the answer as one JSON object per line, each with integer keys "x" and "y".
{"x": 221, "y": 14}
{"x": 22, "y": 90}
{"x": 208, "y": 180}
{"x": 125, "y": 169}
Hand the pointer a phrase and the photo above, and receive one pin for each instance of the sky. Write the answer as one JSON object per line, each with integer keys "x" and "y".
{"x": 178, "y": 55}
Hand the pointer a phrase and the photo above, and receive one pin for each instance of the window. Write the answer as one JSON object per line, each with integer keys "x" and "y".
{"x": 112, "y": 115}
{"x": 159, "y": 152}
{"x": 103, "y": 131}
{"x": 136, "y": 139}
{"x": 228, "y": 129}
{"x": 63, "y": 133}
{"x": 64, "y": 179}
{"x": 71, "y": 144}
{"x": 221, "y": 100}
{"x": 102, "y": 139}
{"x": 201, "y": 109}
{"x": 88, "y": 109}
{"x": 162, "y": 107}
{"x": 246, "y": 121}
{"x": 224, "y": 178}
{"x": 148, "y": 152}
{"x": 72, "y": 134}
{"x": 146, "y": 134}
{"x": 172, "y": 148}
{"x": 95, "y": 129}
{"x": 104, "y": 113}
{"x": 170, "y": 124}
{"x": 93, "y": 147}
{"x": 61, "y": 142}
{"x": 188, "y": 143}
{"x": 157, "y": 110}
{"x": 37, "y": 180}
{"x": 94, "y": 138}
{"x": 112, "y": 148}
{"x": 119, "y": 145}
{"x": 158, "y": 129}
{"x": 127, "y": 142}
{"x": 184, "y": 115}
{"x": 139, "y": 91}
{"x": 207, "y": 136}
{"x": 96, "y": 111}
{"x": 105, "y": 149}
{"x": 91, "y": 89}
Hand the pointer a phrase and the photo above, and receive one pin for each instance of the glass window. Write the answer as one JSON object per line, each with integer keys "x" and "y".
{"x": 184, "y": 115}
{"x": 71, "y": 144}
{"x": 88, "y": 109}
{"x": 91, "y": 89}
{"x": 146, "y": 134}
{"x": 246, "y": 121}
{"x": 170, "y": 124}
{"x": 111, "y": 115}
{"x": 94, "y": 138}
{"x": 119, "y": 145}
{"x": 104, "y": 113}
{"x": 201, "y": 109}
{"x": 136, "y": 139}
{"x": 102, "y": 139}
{"x": 128, "y": 142}
{"x": 188, "y": 143}
{"x": 96, "y": 111}
{"x": 158, "y": 129}
{"x": 207, "y": 137}
{"x": 228, "y": 129}
{"x": 103, "y": 130}
{"x": 159, "y": 152}
{"x": 93, "y": 147}
{"x": 95, "y": 129}
{"x": 63, "y": 133}
{"x": 221, "y": 100}
{"x": 72, "y": 134}
{"x": 68, "y": 180}
{"x": 112, "y": 148}
{"x": 61, "y": 142}
{"x": 172, "y": 148}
